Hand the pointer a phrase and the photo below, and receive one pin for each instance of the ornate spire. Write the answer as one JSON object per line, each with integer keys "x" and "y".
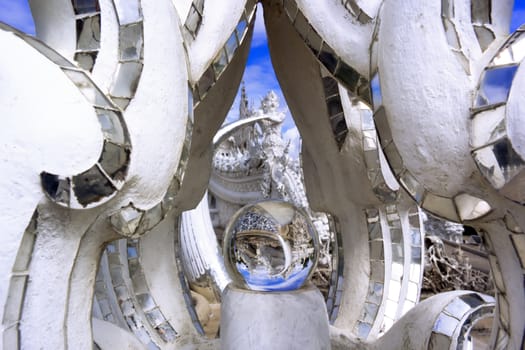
{"x": 243, "y": 105}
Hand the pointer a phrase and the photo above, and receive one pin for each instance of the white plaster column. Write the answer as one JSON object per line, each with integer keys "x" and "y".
{"x": 274, "y": 320}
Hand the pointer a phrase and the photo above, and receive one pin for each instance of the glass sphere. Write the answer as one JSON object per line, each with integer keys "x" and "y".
{"x": 270, "y": 246}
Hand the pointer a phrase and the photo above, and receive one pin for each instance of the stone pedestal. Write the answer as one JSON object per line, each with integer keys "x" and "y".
{"x": 274, "y": 320}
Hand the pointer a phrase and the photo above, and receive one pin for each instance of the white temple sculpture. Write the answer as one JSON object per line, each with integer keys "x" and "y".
{"x": 111, "y": 114}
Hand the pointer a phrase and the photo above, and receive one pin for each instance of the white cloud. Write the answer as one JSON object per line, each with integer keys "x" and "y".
{"x": 293, "y": 136}
{"x": 259, "y": 32}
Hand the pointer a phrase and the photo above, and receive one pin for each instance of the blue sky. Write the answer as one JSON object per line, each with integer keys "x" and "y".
{"x": 258, "y": 76}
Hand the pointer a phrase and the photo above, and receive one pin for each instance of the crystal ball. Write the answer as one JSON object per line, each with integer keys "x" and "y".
{"x": 270, "y": 246}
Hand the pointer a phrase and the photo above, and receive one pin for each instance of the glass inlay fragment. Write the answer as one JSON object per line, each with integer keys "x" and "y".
{"x": 241, "y": 28}
{"x": 193, "y": 21}
{"x": 441, "y": 206}
{"x": 88, "y": 33}
{"x": 485, "y": 36}
{"x": 127, "y": 79}
{"x": 131, "y": 42}
{"x": 85, "y": 6}
{"x": 87, "y": 88}
{"x": 495, "y": 85}
{"x": 114, "y": 160}
{"x": 231, "y": 45}
{"x": 111, "y": 125}
{"x": 128, "y": 11}
{"x": 86, "y": 60}
{"x": 328, "y": 58}
{"x": 57, "y": 188}
{"x": 499, "y": 162}
{"x": 445, "y": 325}
{"x": 220, "y": 63}
{"x": 91, "y": 186}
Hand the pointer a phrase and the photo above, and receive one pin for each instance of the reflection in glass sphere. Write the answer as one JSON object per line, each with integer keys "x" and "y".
{"x": 270, "y": 246}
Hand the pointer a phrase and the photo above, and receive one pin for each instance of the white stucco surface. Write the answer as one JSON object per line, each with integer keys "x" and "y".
{"x": 427, "y": 94}
{"x": 107, "y": 56}
{"x": 345, "y": 34}
{"x": 182, "y": 7}
{"x": 280, "y": 321}
{"x": 218, "y": 23}
{"x": 47, "y": 125}
{"x": 156, "y": 117}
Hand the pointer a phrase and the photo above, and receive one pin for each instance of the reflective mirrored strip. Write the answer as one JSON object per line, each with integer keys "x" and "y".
{"x": 184, "y": 282}
{"x": 143, "y": 296}
{"x": 88, "y": 24}
{"x": 94, "y": 186}
{"x": 133, "y": 222}
{"x": 481, "y": 19}
{"x": 17, "y": 287}
{"x": 449, "y": 26}
{"x": 345, "y": 74}
{"x": 193, "y": 21}
{"x": 492, "y": 150}
{"x": 415, "y": 267}
{"x": 100, "y": 182}
{"x": 335, "y": 292}
{"x": 393, "y": 303}
{"x": 370, "y": 314}
{"x": 137, "y": 306}
{"x": 452, "y": 327}
{"x": 356, "y": 11}
{"x": 105, "y": 301}
{"x": 226, "y": 54}
{"x": 130, "y": 52}
{"x": 371, "y": 149}
{"x": 501, "y": 289}
{"x": 334, "y": 108}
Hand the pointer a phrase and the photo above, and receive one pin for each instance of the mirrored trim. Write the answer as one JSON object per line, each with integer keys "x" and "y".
{"x": 453, "y": 325}
{"x": 345, "y": 74}
{"x": 133, "y": 222}
{"x": 450, "y": 23}
{"x": 15, "y": 293}
{"x": 128, "y": 71}
{"x": 193, "y": 21}
{"x": 88, "y": 33}
{"x": 335, "y": 291}
{"x": 334, "y": 108}
{"x": 184, "y": 281}
{"x": 94, "y": 186}
{"x": 398, "y": 278}
{"x": 481, "y": 21}
{"x": 356, "y": 11}
{"x": 225, "y": 55}
{"x": 369, "y": 315}
{"x": 396, "y": 267}
{"x": 137, "y": 306}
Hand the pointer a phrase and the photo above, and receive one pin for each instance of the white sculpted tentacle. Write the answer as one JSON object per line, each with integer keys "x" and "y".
{"x": 457, "y": 195}
{"x": 375, "y": 218}
{"x": 101, "y": 181}
{"x": 331, "y": 50}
